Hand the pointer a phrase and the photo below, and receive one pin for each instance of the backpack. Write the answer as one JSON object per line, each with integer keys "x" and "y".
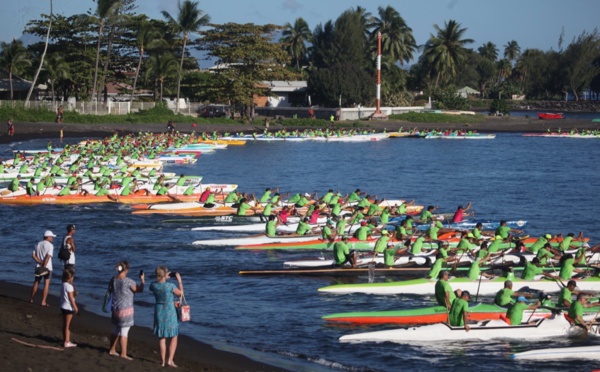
{"x": 64, "y": 254}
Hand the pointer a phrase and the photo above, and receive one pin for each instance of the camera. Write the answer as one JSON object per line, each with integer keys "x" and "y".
{"x": 172, "y": 274}
{"x": 141, "y": 273}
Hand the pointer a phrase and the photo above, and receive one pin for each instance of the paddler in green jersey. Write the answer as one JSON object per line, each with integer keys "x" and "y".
{"x": 271, "y": 227}
{"x": 363, "y": 232}
{"x": 275, "y": 199}
{"x": 547, "y": 252}
{"x": 459, "y": 311}
{"x": 532, "y": 269}
{"x": 14, "y": 184}
{"x": 385, "y": 216}
{"x": 23, "y": 168}
{"x": 432, "y": 231}
{"x": 504, "y": 231}
{"x": 336, "y": 210}
{"x": 475, "y": 272}
{"x": 477, "y": 231}
{"x": 294, "y": 198}
{"x": 30, "y": 188}
{"x": 381, "y": 243}
{"x": 374, "y": 209}
{"x": 389, "y": 255}
{"x": 443, "y": 290}
{"x": 181, "y": 180}
{"x": 327, "y": 233}
{"x": 303, "y": 227}
{"x": 427, "y": 215}
{"x": 327, "y": 197}
{"x": 243, "y": 207}
{"x": 409, "y": 225}
{"x": 576, "y": 309}
{"x": 401, "y": 234}
{"x": 436, "y": 268}
{"x": 567, "y": 266}
{"x": 267, "y": 211}
{"x": 340, "y": 225}
{"x": 496, "y": 244}
{"x": 417, "y": 245}
{"x": 232, "y": 197}
{"x": 565, "y": 244}
{"x": 515, "y": 312}
{"x": 465, "y": 245}
{"x": 566, "y": 294}
{"x": 505, "y": 296}
{"x": 266, "y": 195}
{"x": 342, "y": 253}
{"x": 355, "y": 196}
{"x": 542, "y": 240}
{"x": 363, "y": 203}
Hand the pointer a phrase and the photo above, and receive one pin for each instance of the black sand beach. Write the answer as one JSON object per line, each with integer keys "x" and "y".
{"x": 31, "y": 340}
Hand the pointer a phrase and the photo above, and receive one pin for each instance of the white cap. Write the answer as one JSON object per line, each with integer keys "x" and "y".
{"x": 49, "y": 233}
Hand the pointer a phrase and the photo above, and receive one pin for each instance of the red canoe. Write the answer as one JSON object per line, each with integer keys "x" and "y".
{"x": 550, "y": 115}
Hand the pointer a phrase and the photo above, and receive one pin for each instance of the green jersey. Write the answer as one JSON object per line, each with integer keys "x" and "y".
{"x": 340, "y": 251}
{"x": 474, "y": 270}
{"x": 564, "y": 294}
{"x": 456, "y": 317}
{"x": 389, "y": 256}
{"x": 503, "y": 231}
{"x": 303, "y": 228}
{"x": 566, "y": 243}
{"x": 243, "y": 208}
{"x": 417, "y": 246}
{"x": 576, "y": 310}
{"x": 381, "y": 243}
{"x": 531, "y": 271}
{"x": 270, "y": 228}
{"x": 566, "y": 270}
{"x": 504, "y": 297}
{"x": 515, "y": 313}
{"x": 362, "y": 233}
{"x": 441, "y": 288}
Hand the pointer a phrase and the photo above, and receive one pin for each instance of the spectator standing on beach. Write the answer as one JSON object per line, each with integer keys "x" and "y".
{"x": 42, "y": 255}
{"x": 124, "y": 289}
{"x": 311, "y": 113}
{"x": 59, "y": 114}
{"x": 69, "y": 243}
{"x": 68, "y": 307}
{"x": 165, "y": 316}
{"x": 11, "y": 127}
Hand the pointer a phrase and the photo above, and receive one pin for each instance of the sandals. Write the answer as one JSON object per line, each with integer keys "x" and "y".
{"x": 69, "y": 344}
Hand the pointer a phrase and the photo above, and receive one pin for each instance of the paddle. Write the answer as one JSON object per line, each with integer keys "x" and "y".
{"x": 533, "y": 312}
{"x": 592, "y": 321}
{"x": 478, "y": 286}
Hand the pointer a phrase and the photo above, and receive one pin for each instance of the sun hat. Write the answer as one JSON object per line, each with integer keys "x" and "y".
{"x": 49, "y": 233}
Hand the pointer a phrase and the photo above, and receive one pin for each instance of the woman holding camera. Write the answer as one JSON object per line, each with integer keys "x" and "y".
{"x": 165, "y": 316}
{"x": 122, "y": 308}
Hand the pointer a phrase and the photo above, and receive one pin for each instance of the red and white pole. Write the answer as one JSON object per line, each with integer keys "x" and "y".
{"x": 378, "y": 100}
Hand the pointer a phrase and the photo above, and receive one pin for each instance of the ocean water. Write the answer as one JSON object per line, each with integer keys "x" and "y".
{"x": 550, "y": 182}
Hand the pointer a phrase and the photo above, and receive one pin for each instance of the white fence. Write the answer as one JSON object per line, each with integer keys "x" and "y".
{"x": 99, "y": 108}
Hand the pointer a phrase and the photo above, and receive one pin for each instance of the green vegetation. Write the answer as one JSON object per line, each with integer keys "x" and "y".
{"x": 500, "y": 106}
{"x": 159, "y": 114}
{"x": 303, "y": 122}
{"x": 428, "y": 117}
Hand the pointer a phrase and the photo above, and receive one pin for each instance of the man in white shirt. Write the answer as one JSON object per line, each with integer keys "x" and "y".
{"x": 42, "y": 255}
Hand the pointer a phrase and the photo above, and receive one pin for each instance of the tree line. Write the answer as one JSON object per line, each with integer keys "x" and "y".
{"x": 79, "y": 55}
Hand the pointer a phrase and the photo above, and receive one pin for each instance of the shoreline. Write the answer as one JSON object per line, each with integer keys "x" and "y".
{"x": 490, "y": 124}
{"x": 42, "y": 326}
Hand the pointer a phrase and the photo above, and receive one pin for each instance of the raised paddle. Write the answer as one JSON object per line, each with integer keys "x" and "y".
{"x": 531, "y": 316}
{"x": 592, "y": 321}
{"x": 478, "y": 286}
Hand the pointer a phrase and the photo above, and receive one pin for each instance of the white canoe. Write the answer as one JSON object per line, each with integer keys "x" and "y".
{"x": 254, "y": 227}
{"x": 256, "y": 239}
{"x": 483, "y": 287}
{"x": 362, "y": 261}
{"x": 582, "y": 352}
{"x": 554, "y": 326}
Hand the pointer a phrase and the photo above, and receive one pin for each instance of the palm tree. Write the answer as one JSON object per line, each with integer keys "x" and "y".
{"x": 189, "y": 20}
{"x": 397, "y": 41}
{"x": 12, "y": 58}
{"x": 146, "y": 38}
{"x": 105, "y": 9}
{"x": 488, "y": 51}
{"x": 56, "y": 69}
{"x": 295, "y": 38}
{"x": 366, "y": 19}
{"x": 512, "y": 50}
{"x": 445, "y": 51}
{"x": 161, "y": 67}
{"x": 37, "y": 73}
{"x": 504, "y": 69}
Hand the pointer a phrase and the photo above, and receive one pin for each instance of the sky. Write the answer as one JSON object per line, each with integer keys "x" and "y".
{"x": 532, "y": 23}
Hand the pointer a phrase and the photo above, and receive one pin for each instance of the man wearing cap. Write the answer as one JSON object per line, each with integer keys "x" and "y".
{"x": 363, "y": 232}
{"x": 42, "y": 255}
{"x": 459, "y": 311}
{"x": 443, "y": 290}
{"x": 566, "y": 293}
{"x": 504, "y": 296}
{"x": 381, "y": 243}
{"x": 69, "y": 243}
{"x": 342, "y": 253}
{"x": 515, "y": 312}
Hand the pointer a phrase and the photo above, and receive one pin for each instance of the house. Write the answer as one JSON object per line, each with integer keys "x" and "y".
{"x": 20, "y": 86}
{"x": 466, "y": 91}
{"x": 283, "y": 94}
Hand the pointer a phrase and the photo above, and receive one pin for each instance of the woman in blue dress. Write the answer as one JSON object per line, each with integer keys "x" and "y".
{"x": 165, "y": 316}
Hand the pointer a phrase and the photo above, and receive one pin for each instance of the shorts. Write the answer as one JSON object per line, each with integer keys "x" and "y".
{"x": 67, "y": 312}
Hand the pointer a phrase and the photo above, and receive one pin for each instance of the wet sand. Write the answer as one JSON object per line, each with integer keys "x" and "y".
{"x": 41, "y": 327}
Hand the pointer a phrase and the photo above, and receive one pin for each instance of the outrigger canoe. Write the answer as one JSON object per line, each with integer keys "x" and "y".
{"x": 555, "y": 326}
{"x": 426, "y": 315}
{"x": 439, "y": 314}
{"x": 483, "y": 286}
{"x": 582, "y": 352}
{"x": 258, "y": 239}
